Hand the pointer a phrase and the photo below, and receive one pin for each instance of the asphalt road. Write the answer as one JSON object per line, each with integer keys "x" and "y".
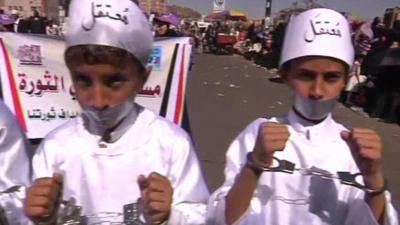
{"x": 226, "y": 93}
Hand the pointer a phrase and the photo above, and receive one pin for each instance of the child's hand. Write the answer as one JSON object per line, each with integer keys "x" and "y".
{"x": 272, "y": 137}
{"x": 156, "y": 193}
{"x": 366, "y": 148}
{"x": 43, "y": 199}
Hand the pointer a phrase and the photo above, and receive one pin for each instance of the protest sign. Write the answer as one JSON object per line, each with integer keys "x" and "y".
{"x": 36, "y": 86}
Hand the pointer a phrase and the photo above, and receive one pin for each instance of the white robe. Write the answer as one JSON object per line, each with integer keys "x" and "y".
{"x": 291, "y": 199}
{"x": 103, "y": 179}
{"x": 14, "y": 165}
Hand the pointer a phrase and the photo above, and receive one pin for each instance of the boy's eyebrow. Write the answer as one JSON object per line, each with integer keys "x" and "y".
{"x": 312, "y": 71}
{"x": 305, "y": 70}
{"x": 334, "y": 72}
{"x": 78, "y": 73}
{"x": 115, "y": 76}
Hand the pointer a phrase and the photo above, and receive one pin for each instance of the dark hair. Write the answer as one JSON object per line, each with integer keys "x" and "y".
{"x": 101, "y": 54}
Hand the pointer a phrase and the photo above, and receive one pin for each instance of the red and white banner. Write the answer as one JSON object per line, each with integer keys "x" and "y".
{"x": 36, "y": 86}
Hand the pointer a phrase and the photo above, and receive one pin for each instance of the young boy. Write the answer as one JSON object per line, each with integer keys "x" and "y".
{"x": 117, "y": 151}
{"x": 316, "y": 58}
{"x": 14, "y": 168}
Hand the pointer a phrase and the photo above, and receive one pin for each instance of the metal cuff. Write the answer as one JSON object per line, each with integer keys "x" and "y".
{"x": 283, "y": 165}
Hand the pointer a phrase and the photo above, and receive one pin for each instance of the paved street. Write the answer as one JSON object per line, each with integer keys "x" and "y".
{"x": 225, "y": 93}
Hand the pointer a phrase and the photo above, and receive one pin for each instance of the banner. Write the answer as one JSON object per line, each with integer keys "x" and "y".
{"x": 36, "y": 86}
{"x": 219, "y": 5}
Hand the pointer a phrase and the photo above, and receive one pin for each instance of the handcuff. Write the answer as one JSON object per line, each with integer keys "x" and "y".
{"x": 3, "y": 214}
{"x": 286, "y": 166}
{"x": 71, "y": 214}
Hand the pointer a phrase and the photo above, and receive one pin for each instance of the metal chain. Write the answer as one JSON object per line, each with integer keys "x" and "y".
{"x": 312, "y": 172}
{"x": 71, "y": 214}
{"x": 286, "y": 166}
{"x": 345, "y": 178}
{"x": 292, "y": 201}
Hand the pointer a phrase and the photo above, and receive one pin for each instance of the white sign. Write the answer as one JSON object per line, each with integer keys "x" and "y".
{"x": 36, "y": 85}
{"x": 219, "y": 5}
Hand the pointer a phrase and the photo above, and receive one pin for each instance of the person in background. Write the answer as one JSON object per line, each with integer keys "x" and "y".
{"x": 362, "y": 45}
{"x": 163, "y": 27}
{"x": 21, "y": 24}
{"x": 262, "y": 189}
{"x": 37, "y": 24}
{"x": 52, "y": 28}
{"x": 17, "y": 19}
{"x": 6, "y": 22}
{"x": 118, "y": 155}
{"x": 15, "y": 168}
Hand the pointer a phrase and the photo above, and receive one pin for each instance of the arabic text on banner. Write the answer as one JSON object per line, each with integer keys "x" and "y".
{"x": 36, "y": 85}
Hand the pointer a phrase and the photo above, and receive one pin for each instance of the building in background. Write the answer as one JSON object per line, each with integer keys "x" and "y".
{"x": 56, "y": 9}
{"x": 24, "y": 7}
{"x": 51, "y": 9}
{"x": 154, "y": 6}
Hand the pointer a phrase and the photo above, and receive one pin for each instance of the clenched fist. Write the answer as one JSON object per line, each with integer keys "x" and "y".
{"x": 43, "y": 199}
{"x": 366, "y": 148}
{"x": 156, "y": 194}
{"x": 271, "y": 137}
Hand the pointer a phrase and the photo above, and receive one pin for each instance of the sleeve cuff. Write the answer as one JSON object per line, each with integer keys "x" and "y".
{"x": 187, "y": 214}
{"x": 217, "y": 205}
{"x": 391, "y": 216}
{"x": 175, "y": 217}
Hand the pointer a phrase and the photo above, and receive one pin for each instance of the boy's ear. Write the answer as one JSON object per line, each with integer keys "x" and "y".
{"x": 283, "y": 74}
{"x": 145, "y": 76}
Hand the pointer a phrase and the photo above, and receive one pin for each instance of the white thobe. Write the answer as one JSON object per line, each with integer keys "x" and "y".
{"x": 102, "y": 177}
{"x": 14, "y": 166}
{"x": 291, "y": 199}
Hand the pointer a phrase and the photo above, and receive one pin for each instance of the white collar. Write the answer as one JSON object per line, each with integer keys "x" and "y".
{"x": 323, "y": 130}
{"x": 137, "y": 127}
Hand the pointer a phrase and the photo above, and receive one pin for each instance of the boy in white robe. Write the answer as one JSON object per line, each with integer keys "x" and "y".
{"x": 14, "y": 168}
{"x": 316, "y": 57}
{"x": 116, "y": 152}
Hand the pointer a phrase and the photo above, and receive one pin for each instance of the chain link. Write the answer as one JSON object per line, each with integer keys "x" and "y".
{"x": 345, "y": 178}
{"x": 286, "y": 166}
{"x": 312, "y": 172}
{"x": 292, "y": 201}
{"x": 71, "y": 214}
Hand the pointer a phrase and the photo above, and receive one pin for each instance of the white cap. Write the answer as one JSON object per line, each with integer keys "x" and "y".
{"x": 119, "y": 24}
{"x": 318, "y": 32}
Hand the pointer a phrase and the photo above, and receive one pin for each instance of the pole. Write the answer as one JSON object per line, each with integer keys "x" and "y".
{"x": 268, "y": 8}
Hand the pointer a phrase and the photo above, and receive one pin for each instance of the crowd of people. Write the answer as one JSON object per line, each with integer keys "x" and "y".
{"x": 120, "y": 163}
{"x": 377, "y": 67}
{"x": 35, "y": 24}
{"x": 373, "y": 86}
